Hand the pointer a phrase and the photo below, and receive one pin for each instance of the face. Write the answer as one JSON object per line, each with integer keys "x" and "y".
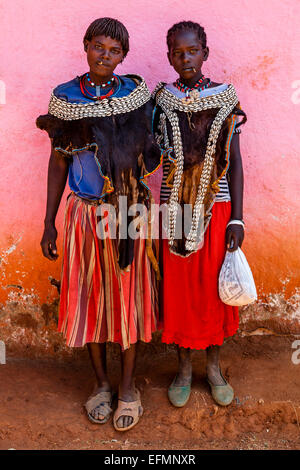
{"x": 103, "y": 56}
{"x": 187, "y": 55}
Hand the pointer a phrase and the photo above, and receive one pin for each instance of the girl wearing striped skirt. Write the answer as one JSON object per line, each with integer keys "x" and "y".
{"x": 196, "y": 123}
{"x": 100, "y": 129}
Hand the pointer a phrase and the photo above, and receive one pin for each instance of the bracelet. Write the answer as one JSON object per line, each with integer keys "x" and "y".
{"x": 236, "y": 222}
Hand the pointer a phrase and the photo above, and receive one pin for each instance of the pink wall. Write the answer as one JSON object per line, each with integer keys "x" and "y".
{"x": 253, "y": 44}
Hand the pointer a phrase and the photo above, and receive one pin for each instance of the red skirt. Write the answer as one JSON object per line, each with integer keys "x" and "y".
{"x": 192, "y": 313}
{"x": 98, "y": 301}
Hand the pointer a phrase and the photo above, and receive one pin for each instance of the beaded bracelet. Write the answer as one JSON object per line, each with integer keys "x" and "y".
{"x": 236, "y": 222}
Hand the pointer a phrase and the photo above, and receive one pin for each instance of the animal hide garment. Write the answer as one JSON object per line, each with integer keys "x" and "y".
{"x": 125, "y": 151}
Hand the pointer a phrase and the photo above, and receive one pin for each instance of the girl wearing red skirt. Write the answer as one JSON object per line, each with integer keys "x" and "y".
{"x": 196, "y": 123}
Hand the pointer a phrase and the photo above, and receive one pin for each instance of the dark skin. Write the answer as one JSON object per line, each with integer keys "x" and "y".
{"x": 187, "y": 56}
{"x": 103, "y": 56}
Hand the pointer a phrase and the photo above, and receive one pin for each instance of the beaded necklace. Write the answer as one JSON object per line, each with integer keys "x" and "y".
{"x": 87, "y": 94}
{"x": 103, "y": 84}
{"x": 185, "y": 89}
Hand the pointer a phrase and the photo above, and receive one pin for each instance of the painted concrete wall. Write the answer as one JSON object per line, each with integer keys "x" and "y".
{"x": 254, "y": 45}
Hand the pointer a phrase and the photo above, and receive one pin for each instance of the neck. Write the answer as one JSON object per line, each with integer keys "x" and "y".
{"x": 190, "y": 82}
{"x": 99, "y": 80}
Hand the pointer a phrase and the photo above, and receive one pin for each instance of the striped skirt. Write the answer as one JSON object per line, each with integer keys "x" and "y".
{"x": 99, "y": 302}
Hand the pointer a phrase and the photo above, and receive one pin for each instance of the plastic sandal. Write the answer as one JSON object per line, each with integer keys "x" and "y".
{"x": 103, "y": 401}
{"x": 128, "y": 408}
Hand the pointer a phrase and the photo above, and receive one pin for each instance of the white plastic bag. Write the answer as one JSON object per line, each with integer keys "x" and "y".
{"x": 236, "y": 283}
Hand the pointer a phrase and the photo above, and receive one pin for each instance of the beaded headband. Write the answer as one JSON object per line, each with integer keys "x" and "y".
{"x": 107, "y": 107}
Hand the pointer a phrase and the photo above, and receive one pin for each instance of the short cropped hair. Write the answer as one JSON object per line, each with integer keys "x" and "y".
{"x": 183, "y": 26}
{"x": 109, "y": 27}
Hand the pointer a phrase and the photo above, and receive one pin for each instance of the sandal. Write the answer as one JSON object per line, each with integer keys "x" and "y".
{"x": 128, "y": 408}
{"x": 102, "y": 401}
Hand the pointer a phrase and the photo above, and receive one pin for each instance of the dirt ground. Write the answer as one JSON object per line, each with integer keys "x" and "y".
{"x": 41, "y": 402}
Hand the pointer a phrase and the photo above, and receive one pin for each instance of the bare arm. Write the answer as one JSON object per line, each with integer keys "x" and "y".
{"x": 57, "y": 178}
{"x": 235, "y": 233}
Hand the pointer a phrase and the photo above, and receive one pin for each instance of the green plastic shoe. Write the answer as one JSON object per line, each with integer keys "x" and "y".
{"x": 222, "y": 394}
{"x": 179, "y": 395}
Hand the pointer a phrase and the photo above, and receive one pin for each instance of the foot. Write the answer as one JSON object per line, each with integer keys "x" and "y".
{"x": 99, "y": 403}
{"x": 221, "y": 391}
{"x": 129, "y": 409}
{"x": 184, "y": 374}
{"x": 126, "y": 395}
{"x": 179, "y": 394}
{"x": 180, "y": 389}
{"x": 214, "y": 375}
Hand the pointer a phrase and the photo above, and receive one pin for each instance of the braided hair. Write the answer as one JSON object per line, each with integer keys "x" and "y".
{"x": 109, "y": 27}
{"x": 183, "y": 26}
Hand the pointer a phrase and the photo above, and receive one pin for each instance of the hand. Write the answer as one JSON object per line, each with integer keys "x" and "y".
{"x": 234, "y": 236}
{"x": 48, "y": 243}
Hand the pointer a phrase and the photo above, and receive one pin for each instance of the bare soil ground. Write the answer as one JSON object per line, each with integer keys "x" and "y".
{"x": 41, "y": 402}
